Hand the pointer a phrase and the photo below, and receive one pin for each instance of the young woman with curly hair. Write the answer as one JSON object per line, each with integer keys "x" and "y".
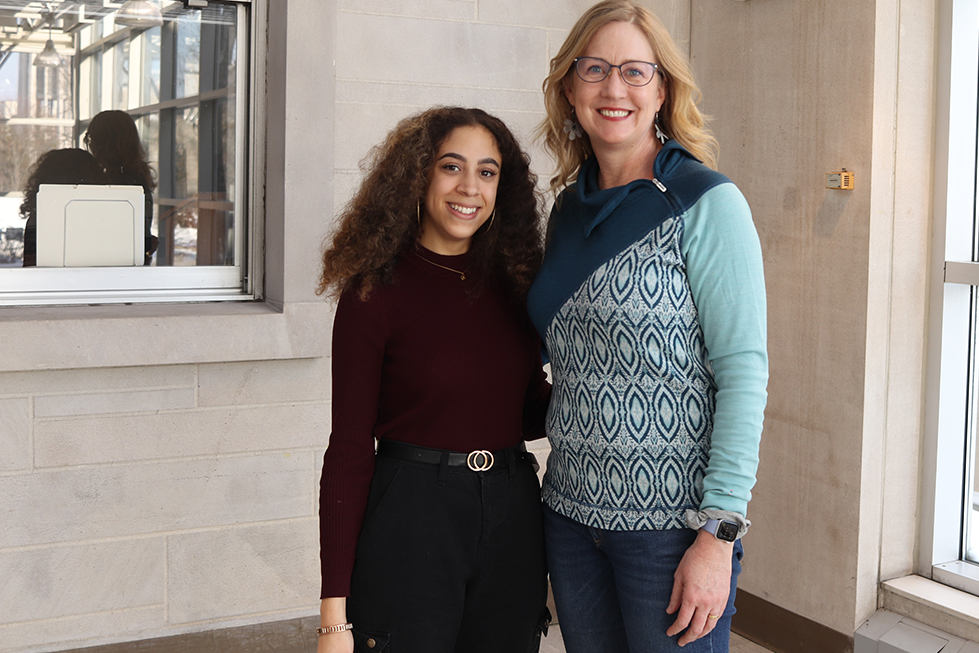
{"x": 435, "y": 543}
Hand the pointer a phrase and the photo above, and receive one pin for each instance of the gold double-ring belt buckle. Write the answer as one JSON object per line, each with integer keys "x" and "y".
{"x": 480, "y": 461}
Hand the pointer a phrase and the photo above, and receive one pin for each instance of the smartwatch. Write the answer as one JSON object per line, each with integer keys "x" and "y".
{"x": 726, "y": 531}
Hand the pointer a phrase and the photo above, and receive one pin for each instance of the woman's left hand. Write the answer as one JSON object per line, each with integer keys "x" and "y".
{"x": 701, "y": 586}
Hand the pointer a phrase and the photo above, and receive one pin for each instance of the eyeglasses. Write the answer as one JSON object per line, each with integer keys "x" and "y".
{"x": 633, "y": 73}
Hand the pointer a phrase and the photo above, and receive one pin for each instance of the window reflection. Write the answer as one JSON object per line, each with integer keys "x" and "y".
{"x": 148, "y": 46}
{"x": 177, "y": 82}
{"x": 188, "y": 66}
{"x": 120, "y": 77}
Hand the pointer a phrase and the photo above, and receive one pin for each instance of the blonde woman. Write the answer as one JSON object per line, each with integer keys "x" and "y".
{"x": 651, "y": 304}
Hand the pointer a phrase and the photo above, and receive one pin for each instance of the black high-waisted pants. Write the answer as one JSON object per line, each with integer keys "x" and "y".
{"x": 449, "y": 560}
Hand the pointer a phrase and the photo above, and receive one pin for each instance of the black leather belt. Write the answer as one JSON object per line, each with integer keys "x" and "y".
{"x": 478, "y": 461}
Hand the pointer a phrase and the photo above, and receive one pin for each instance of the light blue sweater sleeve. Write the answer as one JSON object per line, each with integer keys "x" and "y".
{"x": 724, "y": 266}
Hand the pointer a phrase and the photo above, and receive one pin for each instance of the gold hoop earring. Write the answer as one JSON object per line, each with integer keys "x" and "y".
{"x": 489, "y": 224}
{"x": 418, "y": 213}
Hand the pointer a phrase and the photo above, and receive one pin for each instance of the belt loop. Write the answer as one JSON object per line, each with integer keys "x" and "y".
{"x": 443, "y": 468}
{"x": 511, "y": 461}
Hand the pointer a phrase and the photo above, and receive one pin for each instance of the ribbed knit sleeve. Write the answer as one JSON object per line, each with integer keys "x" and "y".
{"x": 360, "y": 331}
{"x": 724, "y": 265}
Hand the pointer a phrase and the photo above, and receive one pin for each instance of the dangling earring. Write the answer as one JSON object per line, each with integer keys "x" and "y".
{"x": 492, "y": 217}
{"x": 418, "y": 213}
{"x": 572, "y": 128}
{"x": 659, "y": 132}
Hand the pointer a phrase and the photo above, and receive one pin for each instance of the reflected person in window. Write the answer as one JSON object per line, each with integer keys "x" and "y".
{"x": 651, "y": 304}
{"x": 67, "y": 166}
{"x": 435, "y": 544}
{"x": 113, "y": 140}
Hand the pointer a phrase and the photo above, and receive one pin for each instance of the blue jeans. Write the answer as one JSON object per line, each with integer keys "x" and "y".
{"x": 611, "y": 588}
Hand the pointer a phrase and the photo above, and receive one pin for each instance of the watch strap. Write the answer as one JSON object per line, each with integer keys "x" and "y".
{"x": 696, "y": 519}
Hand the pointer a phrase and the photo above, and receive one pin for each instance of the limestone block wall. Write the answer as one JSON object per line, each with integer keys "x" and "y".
{"x": 149, "y": 500}
{"x": 398, "y": 58}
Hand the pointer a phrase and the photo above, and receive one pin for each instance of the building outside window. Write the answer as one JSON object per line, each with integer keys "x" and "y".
{"x": 181, "y": 72}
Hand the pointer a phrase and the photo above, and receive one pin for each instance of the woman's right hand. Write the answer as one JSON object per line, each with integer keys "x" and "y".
{"x": 333, "y": 611}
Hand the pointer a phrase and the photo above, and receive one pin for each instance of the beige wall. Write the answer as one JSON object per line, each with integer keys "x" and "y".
{"x": 799, "y": 89}
{"x": 398, "y": 58}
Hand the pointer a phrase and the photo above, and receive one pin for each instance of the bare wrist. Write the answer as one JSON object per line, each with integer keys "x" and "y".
{"x": 333, "y": 611}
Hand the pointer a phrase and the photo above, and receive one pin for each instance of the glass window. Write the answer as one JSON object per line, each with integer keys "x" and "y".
{"x": 173, "y": 81}
{"x": 120, "y": 78}
{"x": 950, "y": 544}
{"x": 147, "y": 45}
{"x": 188, "y": 68}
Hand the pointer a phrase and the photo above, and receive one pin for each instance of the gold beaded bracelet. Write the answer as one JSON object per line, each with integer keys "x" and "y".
{"x": 339, "y": 628}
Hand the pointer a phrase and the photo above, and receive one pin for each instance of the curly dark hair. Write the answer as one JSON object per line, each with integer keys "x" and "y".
{"x": 67, "y": 166}
{"x": 113, "y": 140}
{"x": 381, "y": 221}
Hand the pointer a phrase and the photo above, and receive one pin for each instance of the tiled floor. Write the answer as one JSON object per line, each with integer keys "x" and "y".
{"x": 554, "y": 644}
{"x": 296, "y": 636}
{"x": 742, "y": 645}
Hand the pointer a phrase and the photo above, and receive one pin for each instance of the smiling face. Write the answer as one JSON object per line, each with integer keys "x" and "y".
{"x": 618, "y": 118}
{"x": 461, "y": 191}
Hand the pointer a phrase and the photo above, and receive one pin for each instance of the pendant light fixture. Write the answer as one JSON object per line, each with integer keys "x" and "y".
{"x": 139, "y": 14}
{"x": 49, "y": 57}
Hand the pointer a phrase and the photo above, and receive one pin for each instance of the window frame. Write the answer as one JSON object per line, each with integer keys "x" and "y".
{"x": 242, "y": 281}
{"x": 951, "y": 376}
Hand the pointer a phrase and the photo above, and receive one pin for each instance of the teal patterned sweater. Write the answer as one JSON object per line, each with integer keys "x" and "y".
{"x": 651, "y": 305}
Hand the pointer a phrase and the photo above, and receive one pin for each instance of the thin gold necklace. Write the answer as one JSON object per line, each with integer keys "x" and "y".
{"x": 461, "y": 273}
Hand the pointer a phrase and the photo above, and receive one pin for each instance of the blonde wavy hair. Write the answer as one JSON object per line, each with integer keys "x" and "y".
{"x": 679, "y": 116}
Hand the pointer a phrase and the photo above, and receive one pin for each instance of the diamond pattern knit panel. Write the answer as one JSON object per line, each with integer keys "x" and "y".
{"x": 631, "y": 414}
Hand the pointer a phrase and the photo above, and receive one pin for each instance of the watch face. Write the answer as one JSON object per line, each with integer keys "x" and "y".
{"x": 727, "y": 531}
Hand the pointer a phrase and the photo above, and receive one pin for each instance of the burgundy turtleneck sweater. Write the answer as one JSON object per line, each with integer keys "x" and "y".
{"x": 425, "y": 362}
